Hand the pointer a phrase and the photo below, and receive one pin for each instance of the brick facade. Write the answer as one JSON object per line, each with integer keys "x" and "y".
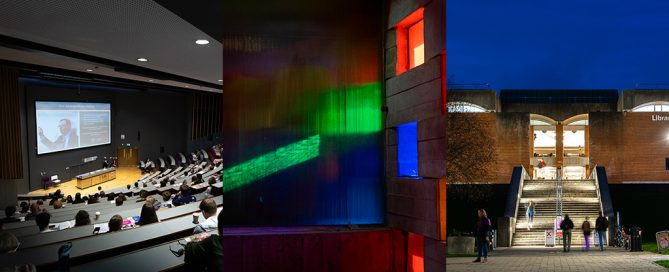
{"x": 630, "y": 145}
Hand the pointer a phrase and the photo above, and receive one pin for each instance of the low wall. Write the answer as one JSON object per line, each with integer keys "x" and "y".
{"x": 461, "y": 244}
{"x": 376, "y": 250}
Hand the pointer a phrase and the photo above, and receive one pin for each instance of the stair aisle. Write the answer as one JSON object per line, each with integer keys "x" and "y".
{"x": 579, "y": 200}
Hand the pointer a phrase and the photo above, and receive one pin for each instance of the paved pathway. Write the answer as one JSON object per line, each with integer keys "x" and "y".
{"x": 553, "y": 259}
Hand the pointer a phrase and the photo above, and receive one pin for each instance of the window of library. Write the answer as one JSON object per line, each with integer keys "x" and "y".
{"x": 464, "y": 107}
{"x": 657, "y": 106}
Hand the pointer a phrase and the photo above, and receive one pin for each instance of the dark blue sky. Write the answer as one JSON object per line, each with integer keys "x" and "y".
{"x": 558, "y": 44}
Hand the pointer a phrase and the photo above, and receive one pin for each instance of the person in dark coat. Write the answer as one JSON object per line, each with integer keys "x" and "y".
{"x": 566, "y": 226}
{"x": 601, "y": 225}
{"x": 148, "y": 215}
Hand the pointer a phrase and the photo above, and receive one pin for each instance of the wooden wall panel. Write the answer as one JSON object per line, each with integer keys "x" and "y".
{"x": 206, "y": 115}
{"x": 11, "y": 162}
{"x": 412, "y": 206}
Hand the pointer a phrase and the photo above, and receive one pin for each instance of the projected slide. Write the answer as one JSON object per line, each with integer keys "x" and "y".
{"x": 71, "y": 125}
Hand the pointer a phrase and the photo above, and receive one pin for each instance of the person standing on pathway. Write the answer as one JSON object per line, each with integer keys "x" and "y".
{"x": 601, "y": 225}
{"x": 482, "y": 236}
{"x": 566, "y": 226}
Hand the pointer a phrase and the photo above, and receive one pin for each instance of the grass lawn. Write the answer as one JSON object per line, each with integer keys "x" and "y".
{"x": 664, "y": 263}
{"x": 652, "y": 247}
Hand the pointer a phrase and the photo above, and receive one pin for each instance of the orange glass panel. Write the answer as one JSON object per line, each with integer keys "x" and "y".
{"x": 416, "y": 44}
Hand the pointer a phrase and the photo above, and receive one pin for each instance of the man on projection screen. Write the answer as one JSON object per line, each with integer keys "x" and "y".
{"x": 68, "y": 136}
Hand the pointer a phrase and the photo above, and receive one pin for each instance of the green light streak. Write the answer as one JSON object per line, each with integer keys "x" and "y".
{"x": 267, "y": 164}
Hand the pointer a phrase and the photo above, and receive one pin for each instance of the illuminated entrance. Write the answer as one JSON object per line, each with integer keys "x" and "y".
{"x": 559, "y": 147}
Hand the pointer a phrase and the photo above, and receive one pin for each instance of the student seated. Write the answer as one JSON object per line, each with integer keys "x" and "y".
{"x": 24, "y": 207}
{"x": 153, "y": 202}
{"x": 212, "y": 180}
{"x": 34, "y": 210}
{"x": 42, "y": 221}
{"x": 142, "y": 195}
{"x": 9, "y": 215}
{"x": 115, "y": 223}
{"x": 57, "y": 204}
{"x": 207, "y": 254}
{"x": 148, "y": 215}
{"x": 55, "y": 196}
{"x": 167, "y": 200}
{"x": 8, "y": 242}
{"x": 94, "y": 199}
{"x": 77, "y": 199}
{"x": 208, "y": 208}
{"x": 111, "y": 197}
{"x": 119, "y": 201}
{"x": 82, "y": 219}
{"x": 184, "y": 197}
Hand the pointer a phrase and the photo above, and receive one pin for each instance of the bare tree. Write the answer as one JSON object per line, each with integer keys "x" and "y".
{"x": 471, "y": 153}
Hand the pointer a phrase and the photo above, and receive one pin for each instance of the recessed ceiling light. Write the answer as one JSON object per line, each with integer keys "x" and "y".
{"x": 150, "y": 80}
{"x": 220, "y": 80}
{"x": 142, "y": 59}
{"x": 89, "y": 70}
{"x": 186, "y": 86}
{"x": 202, "y": 42}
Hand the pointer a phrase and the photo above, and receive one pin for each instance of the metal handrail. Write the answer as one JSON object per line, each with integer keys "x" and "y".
{"x": 558, "y": 192}
{"x": 593, "y": 175}
{"x": 523, "y": 176}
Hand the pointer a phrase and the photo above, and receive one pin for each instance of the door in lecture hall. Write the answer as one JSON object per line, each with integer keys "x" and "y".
{"x": 127, "y": 156}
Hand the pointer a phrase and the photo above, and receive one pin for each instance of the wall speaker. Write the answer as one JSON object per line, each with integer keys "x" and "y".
{"x": 666, "y": 163}
{"x": 139, "y": 136}
{"x": 162, "y": 150}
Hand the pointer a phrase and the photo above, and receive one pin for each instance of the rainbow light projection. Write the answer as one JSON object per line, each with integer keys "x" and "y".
{"x": 349, "y": 111}
{"x": 267, "y": 164}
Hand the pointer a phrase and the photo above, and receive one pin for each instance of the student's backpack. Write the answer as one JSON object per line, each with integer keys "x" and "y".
{"x": 586, "y": 226}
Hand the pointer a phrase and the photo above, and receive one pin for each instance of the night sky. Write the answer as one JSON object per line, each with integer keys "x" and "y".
{"x": 558, "y": 44}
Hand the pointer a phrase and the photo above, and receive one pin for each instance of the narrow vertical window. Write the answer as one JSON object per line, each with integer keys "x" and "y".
{"x": 407, "y": 150}
{"x": 416, "y": 44}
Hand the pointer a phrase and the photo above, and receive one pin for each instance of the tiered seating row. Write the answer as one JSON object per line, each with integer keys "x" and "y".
{"x": 97, "y": 246}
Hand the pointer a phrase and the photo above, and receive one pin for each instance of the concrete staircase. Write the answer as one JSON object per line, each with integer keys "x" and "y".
{"x": 579, "y": 199}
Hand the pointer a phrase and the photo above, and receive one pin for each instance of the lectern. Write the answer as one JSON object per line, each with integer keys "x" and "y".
{"x": 127, "y": 156}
